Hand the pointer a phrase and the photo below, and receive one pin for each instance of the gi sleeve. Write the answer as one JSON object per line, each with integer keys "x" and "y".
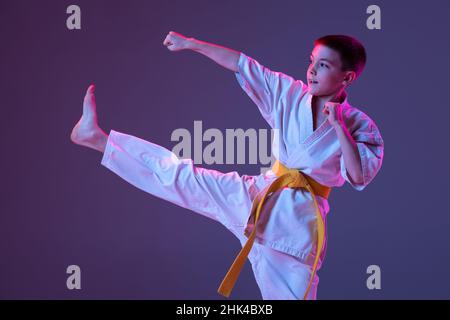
{"x": 371, "y": 150}
{"x": 265, "y": 87}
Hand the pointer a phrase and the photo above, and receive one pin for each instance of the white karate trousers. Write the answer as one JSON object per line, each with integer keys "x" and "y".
{"x": 224, "y": 197}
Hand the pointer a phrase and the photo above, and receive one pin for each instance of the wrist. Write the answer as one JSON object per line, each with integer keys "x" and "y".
{"x": 191, "y": 44}
{"x": 338, "y": 125}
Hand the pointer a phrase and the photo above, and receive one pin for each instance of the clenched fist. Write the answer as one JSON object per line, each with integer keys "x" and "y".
{"x": 176, "y": 42}
{"x": 334, "y": 112}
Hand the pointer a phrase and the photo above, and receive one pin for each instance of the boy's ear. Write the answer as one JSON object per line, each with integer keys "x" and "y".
{"x": 349, "y": 77}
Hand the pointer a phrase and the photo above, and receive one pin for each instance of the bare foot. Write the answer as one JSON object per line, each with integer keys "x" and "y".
{"x": 87, "y": 132}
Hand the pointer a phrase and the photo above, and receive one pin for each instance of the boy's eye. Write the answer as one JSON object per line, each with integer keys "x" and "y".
{"x": 321, "y": 64}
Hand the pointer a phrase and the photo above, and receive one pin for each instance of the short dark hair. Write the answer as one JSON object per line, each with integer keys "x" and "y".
{"x": 351, "y": 51}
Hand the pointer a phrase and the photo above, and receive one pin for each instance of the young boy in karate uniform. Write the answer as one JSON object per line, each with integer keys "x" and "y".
{"x": 279, "y": 217}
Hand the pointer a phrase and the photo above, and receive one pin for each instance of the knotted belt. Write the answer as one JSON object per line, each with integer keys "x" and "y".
{"x": 286, "y": 177}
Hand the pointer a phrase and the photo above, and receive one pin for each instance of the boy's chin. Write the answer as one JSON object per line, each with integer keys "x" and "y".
{"x": 314, "y": 91}
{"x": 318, "y": 93}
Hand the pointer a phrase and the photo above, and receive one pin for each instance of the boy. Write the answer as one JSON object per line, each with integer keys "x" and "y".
{"x": 280, "y": 216}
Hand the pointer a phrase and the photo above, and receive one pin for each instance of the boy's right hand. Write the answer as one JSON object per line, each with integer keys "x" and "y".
{"x": 175, "y": 41}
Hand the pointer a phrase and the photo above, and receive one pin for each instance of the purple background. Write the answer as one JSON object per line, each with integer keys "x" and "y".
{"x": 59, "y": 206}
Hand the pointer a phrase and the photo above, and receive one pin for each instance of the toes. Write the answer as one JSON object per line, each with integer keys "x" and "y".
{"x": 90, "y": 97}
{"x": 90, "y": 91}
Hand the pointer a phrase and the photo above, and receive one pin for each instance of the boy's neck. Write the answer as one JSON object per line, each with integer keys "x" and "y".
{"x": 320, "y": 101}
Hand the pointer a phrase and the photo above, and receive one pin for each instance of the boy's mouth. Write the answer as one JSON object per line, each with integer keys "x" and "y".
{"x": 310, "y": 81}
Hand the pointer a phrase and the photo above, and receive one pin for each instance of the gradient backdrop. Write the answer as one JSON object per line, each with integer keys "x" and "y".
{"x": 59, "y": 206}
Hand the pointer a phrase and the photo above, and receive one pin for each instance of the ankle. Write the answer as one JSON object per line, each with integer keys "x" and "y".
{"x": 101, "y": 141}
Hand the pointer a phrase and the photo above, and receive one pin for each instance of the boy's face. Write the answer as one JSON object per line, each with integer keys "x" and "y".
{"x": 325, "y": 70}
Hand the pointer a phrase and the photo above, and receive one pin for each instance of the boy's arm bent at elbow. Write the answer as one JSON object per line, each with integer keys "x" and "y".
{"x": 227, "y": 58}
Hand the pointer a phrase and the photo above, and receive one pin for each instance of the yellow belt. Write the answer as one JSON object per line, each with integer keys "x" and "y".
{"x": 286, "y": 177}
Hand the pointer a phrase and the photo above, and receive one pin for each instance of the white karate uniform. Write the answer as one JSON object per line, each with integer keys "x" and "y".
{"x": 284, "y": 248}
